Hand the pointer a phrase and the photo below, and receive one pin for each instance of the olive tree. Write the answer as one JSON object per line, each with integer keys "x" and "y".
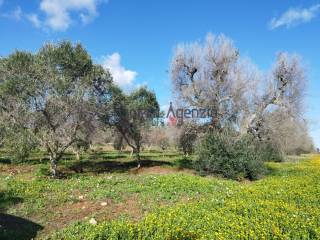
{"x": 118, "y": 142}
{"x": 210, "y": 75}
{"x": 289, "y": 134}
{"x": 129, "y": 114}
{"x": 157, "y": 137}
{"x": 284, "y": 91}
{"x": 50, "y": 95}
{"x": 187, "y": 138}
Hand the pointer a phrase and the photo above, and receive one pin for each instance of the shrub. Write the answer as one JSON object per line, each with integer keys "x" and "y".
{"x": 19, "y": 145}
{"x": 270, "y": 153}
{"x": 187, "y": 138}
{"x": 232, "y": 157}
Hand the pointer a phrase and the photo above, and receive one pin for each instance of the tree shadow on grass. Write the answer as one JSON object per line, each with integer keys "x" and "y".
{"x": 113, "y": 166}
{"x": 127, "y": 155}
{"x": 285, "y": 170}
{"x": 107, "y": 157}
{"x": 271, "y": 170}
{"x": 184, "y": 162}
{"x": 7, "y": 200}
{"x": 5, "y": 161}
{"x": 28, "y": 161}
{"x": 12, "y": 227}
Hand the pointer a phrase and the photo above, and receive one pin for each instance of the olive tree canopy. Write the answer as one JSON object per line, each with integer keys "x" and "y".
{"x": 130, "y": 114}
{"x": 50, "y": 95}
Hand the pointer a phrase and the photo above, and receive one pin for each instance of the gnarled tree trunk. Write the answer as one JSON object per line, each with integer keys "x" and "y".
{"x": 53, "y": 164}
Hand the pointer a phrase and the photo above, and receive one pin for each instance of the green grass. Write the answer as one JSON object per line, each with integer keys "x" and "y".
{"x": 176, "y": 205}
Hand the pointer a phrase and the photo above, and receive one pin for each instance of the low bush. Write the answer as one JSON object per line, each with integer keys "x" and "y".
{"x": 270, "y": 153}
{"x": 187, "y": 138}
{"x": 19, "y": 145}
{"x": 232, "y": 157}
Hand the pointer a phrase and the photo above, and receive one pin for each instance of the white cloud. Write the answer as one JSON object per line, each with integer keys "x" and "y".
{"x": 121, "y": 76}
{"x": 60, "y": 14}
{"x": 295, "y": 16}
{"x": 34, "y": 19}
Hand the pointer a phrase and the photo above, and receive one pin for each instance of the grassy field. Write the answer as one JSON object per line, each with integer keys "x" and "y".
{"x": 162, "y": 200}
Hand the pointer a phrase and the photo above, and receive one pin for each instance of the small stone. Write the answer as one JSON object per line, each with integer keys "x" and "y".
{"x": 93, "y": 221}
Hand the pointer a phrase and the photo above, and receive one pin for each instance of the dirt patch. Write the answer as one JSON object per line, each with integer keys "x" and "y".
{"x": 13, "y": 170}
{"x": 159, "y": 170}
{"x": 102, "y": 210}
{"x": 131, "y": 208}
{"x": 77, "y": 211}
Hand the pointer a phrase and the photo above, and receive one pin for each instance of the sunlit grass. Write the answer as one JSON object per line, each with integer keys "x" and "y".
{"x": 282, "y": 206}
{"x": 177, "y": 205}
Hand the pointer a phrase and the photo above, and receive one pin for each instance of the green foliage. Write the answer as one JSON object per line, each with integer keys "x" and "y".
{"x": 225, "y": 154}
{"x": 19, "y": 143}
{"x": 129, "y": 114}
{"x": 143, "y": 105}
{"x": 50, "y": 96}
{"x": 184, "y": 162}
{"x": 187, "y": 138}
{"x": 42, "y": 171}
{"x": 270, "y": 153}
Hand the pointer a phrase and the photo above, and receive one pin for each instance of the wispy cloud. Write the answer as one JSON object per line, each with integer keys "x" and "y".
{"x": 16, "y": 14}
{"x": 121, "y": 76}
{"x": 295, "y": 16}
{"x": 34, "y": 19}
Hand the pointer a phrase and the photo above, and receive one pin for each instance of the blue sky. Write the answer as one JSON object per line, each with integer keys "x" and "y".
{"x": 136, "y": 38}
